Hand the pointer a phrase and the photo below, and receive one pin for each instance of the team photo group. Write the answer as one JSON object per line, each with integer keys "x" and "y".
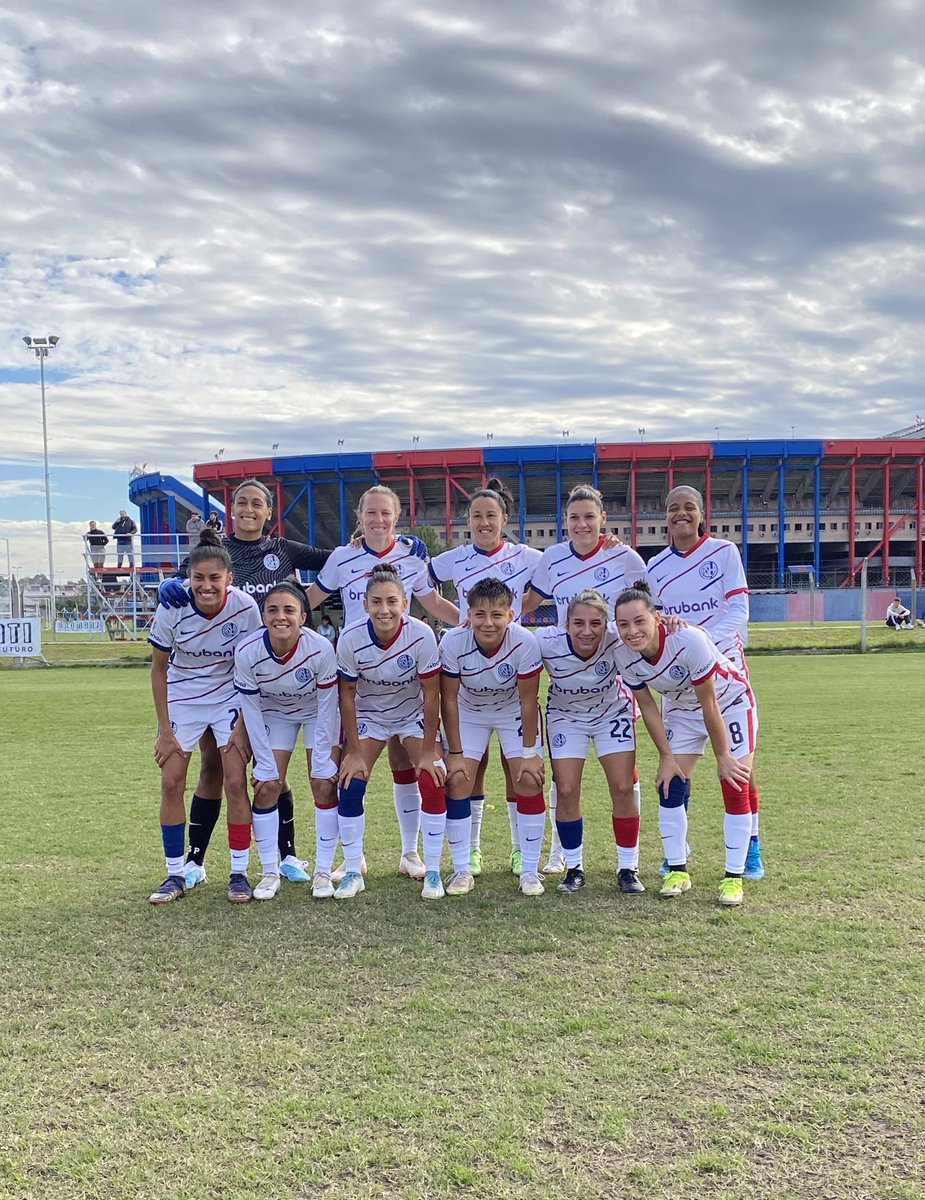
{"x": 238, "y": 671}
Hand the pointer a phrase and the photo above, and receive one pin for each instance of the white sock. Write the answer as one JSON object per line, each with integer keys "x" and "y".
{"x": 737, "y": 829}
{"x": 754, "y": 817}
{"x": 512, "y": 817}
{"x": 408, "y": 810}
{"x": 531, "y": 827}
{"x": 326, "y": 831}
{"x": 266, "y": 835}
{"x": 240, "y": 861}
{"x": 555, "y": 845}
{"x": 637, "y": 792}
{"x": 478, "y": 809}
{"x": 628, "y": 858}
{"x": 433, "y": 827}
{"x": 672, "y": 825}
{"x": 175, "y": 865}
{"x": 574, "y": 858}
{"x": 459, "y": 839}
{"x": 351, "y": 835}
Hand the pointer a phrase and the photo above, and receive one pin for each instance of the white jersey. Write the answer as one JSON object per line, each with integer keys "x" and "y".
{"x": 707, "y": 587}
{"x": 685, "y": 658}
{"x": 488, "y": 681}
{"x": 563, "y": 573}
{"x": 584, "y": 691}
{"x": 348, "y": 567}
{"x": 388, "y": 678}
{"x": 200, "y": 670}
{"x": 464, "y": 566}
{"x": 288, "y": 687}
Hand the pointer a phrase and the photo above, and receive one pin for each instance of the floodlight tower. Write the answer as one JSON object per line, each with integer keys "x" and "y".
{"x": 41, "y": 347}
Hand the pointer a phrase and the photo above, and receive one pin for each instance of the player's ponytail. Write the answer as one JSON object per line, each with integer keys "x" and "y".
{"x": 495, "y": 490}
{"x": 639, "y": 591}
{"x": 384, "y": 573}
{"x": 209, "y": 549}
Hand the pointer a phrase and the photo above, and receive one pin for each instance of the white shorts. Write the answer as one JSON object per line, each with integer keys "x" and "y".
{"x": 475, "y": 734}
{"x": 613, "y": 735}
{"x": 194, "y": 721}
{"x": 687, "y": 731}
{"x": 367, "y": 728}
{"x": 283, "y": 732}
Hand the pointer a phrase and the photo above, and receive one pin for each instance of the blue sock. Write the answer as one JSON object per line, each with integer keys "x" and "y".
{"x": 571, "y": 835}
{"x": 174, "y": 839}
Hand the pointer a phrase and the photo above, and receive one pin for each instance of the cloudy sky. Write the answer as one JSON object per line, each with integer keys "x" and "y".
{"x": 290, "y": 223}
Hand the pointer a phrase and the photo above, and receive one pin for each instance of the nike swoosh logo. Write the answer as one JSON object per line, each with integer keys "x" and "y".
{"x": 536, "y": 839}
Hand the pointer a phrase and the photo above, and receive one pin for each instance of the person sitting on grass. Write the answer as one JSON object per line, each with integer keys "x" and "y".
{"x": 897, "y": 615}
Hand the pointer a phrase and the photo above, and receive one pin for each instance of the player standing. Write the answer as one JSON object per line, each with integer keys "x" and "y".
{"x": 587, "y": 700}
{"x": 347, "y": 571}
{"x": 490, "y": 683}
{"x": 702, "y": 579}
{"x": 290, "y": 672}
{"x": 704, "y": 697}
{"x": 192, "y": 680}
{"x": 389, "y": 669}
{"x": 487, "y": 554}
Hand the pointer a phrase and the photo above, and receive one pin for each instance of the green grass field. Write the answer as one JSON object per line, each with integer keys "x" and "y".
{"x": 492, "y": 1046}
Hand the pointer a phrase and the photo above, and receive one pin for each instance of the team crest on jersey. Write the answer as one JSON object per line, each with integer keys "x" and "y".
{"x": 506, "y": 568}
{"x": 173, "y": 726}
{"x": 559, "y": 740}
{"x": 362, "y": 727}
{"x": 271, "y": 562}
{"x": 708, "y": 570}
{"x": 505, "y": 670}
{"x": 406, "y": 661}
{"x": 601, "y": 575}
{"x": 303, "y": 675}
{"x": 602, "y": 668}
{"x": 677, "y": 671}
{"x": 229, "y": 629}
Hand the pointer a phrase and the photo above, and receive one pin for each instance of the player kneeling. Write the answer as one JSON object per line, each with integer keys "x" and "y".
{"x": 286, "y": 675}
{"x": 586, "y": 701}
{"x": 705, "y": 696}
{"x": 491, "y": 679}
{"x": 389, "y": 669}
{"x": 192, "y": 679}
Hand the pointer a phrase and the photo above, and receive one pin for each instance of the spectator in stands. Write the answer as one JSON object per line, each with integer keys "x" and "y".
{"x": 327, "y": 629}
{"x": 97, "y": 541}
{"x": 194, "y": 526}
{"x": 897, "y": 615}
{"x": 214, "y": 522}
{"x": 124, "y": 528}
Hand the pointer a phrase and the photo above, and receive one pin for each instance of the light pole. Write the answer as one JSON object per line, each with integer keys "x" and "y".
{"x": 41, "y": 347}
{"x": 9, "y": 575}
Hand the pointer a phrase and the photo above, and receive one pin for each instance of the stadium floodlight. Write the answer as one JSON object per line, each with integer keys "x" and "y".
{"x": 41, "y": 347}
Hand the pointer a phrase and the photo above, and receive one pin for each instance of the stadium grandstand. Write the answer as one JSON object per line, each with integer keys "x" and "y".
{"x": 792, "y": 506}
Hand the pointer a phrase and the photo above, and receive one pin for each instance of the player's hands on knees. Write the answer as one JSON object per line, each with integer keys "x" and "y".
{"x": 732, "y": 770}
{"x": 433, "y": 764}
{"x": 352, "y": 767}
{"x": 531, "y": 773}
{"x": 266, "y": 792}
{"x": 166, "y": 746}
{"x": 239, "y": 742}
{"x": 455, "y": 767}
{"x": 668, "y": 769}
{"x": 324, "y": 791}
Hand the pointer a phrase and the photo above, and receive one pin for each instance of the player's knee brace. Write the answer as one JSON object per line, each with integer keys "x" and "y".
{"x": 678, "y": 793}
{"x": 458, "y": 810}
{"x": 735, "y": 799}
{"x": 350, "y": 798}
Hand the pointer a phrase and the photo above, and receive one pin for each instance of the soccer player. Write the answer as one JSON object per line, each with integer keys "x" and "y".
{"x": 287, "y": 677}
{"x": 587, "y": 700}
{"x": 192, "y": 680}
{"x": 490, "y": 683}
{"x": 591, "y": 558}
{"x": 702, "y": 579}
{"x": 346, "y": 571}
{"x": 704, "y": 696}
{"x": 389, "y": 669}
{"x": 259, "y": 561}
{"x": 488, "y": 554}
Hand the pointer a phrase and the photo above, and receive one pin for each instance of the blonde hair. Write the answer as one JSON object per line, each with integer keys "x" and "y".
{"x": 593, "y": 599}
{"x": 378, "y": 489}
